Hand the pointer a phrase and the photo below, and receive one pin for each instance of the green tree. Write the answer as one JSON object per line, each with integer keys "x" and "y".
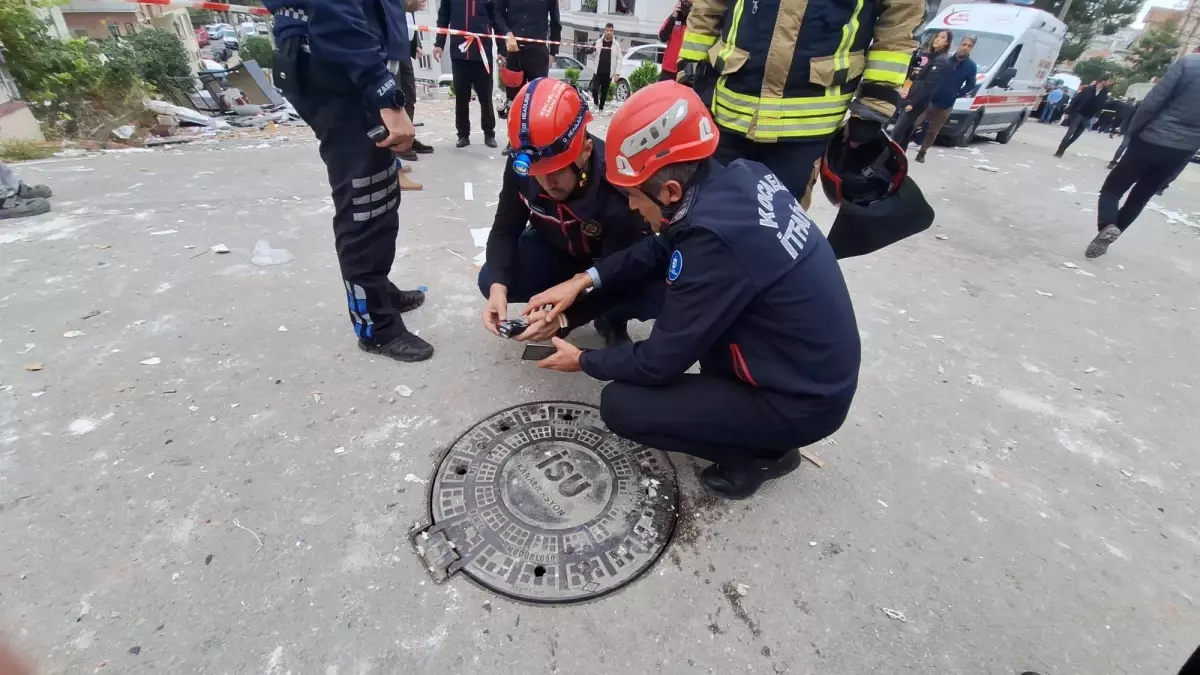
{"x": 1088, "y": 18}
{"x": 1154, "y": 52}
{"x": 1090, "y": 70}
{"x": 159, "y": 56}
{"x": 258, "y": 48}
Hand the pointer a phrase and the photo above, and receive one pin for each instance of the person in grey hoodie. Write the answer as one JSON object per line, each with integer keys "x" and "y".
{"x": 1163, "y": 136}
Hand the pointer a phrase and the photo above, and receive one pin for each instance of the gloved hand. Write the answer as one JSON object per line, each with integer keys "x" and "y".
{"x": 686, "y": 73}
{"x": 859, "y": 131}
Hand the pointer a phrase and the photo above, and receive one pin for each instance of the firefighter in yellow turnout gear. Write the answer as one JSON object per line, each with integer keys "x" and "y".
{"x": 780, "y": 75}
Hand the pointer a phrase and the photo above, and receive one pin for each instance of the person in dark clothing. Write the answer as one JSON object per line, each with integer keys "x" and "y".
{"x": 535, "y": 19}
{"x": 1164, "y": 135}
{"x": 955, "y": 81}
{"x": 408, "y": 81}
{"x": 1082, "y": 109}
{"x": 1127, "y": 118}
{"x": 754, "y": 294}
{"x": 607, "y": 70}
{"x": 925, "y": 72}
{"x": 671, "y": 33}
{"x": 337, "y": 64}
{"x": 558, "y": 218}
{"x": 470, "y": 64}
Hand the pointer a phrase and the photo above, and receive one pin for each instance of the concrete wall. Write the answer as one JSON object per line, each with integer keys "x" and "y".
{"x": 17, "y": 123}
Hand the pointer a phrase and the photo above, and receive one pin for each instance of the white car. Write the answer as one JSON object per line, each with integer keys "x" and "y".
{"x": 635, "y": 57}
{"x": 247, "y": 28}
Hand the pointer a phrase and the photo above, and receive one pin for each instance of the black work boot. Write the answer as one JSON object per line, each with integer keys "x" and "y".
{"x": 463, "y": 141}
{"x": 407, "y": 348}
{"x": 408, "y": 156}
{"x": 507, "y": 150}
{"x": 743, "y": 480}
{"x": 15, "y": 207}
{"x": 1099, "y": 245}
{"x": 422, "y": 149}
{"x": 615, "y": 333}
{"x": 490, "y": 141}
{"x": 26, "y": 191}
{"x": 406, "y": 301}
{"x": 921, "y": 156}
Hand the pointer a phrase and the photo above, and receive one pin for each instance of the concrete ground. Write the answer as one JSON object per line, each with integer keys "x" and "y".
{"x": 187, "y": 487}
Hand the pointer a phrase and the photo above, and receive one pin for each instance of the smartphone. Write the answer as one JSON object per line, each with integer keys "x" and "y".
{"x": 537, "y": 352}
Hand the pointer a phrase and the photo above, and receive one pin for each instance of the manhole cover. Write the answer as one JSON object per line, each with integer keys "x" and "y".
{"x": 542, "y": 503}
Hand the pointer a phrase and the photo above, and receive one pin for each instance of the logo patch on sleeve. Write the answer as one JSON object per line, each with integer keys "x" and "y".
{"x": 676, "y": 266}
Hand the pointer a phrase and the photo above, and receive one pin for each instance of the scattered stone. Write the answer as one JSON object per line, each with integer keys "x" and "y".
{"x": 101, "y": 247}
{"x": 154, "y": 361}
{"x": 135, "y": 650}
{"x": 72, "y": 333}
{"x": 34, "y": 367}
{"x": 283, "y": 329}
{"x": 94, "y": 312}
{"x": 403, "y": 390}
{"x": 985, "y": 167}
{"x": 265, "y": 256}
{"x": 1090, "y": 369}
{"x": 339, "y": 450}
{"x": 219, "y": 248}
{"x": 208, "y": 559}
{"x": 812, "y": 544}
{"x": 975, "y": 380}
{"x": 812, "y": 458}
{"x": 1070, "y": 265}
{"x": 941, "y": 237}
{"x": 743, "y": 590}
{"x": 1045, "y": 294}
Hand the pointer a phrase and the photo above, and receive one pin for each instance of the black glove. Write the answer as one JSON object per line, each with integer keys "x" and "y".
{"x": 860, "y": 131}
{"x": 686, "y": 73}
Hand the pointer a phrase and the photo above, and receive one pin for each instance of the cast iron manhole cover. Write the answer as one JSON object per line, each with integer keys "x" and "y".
{"x": 542, "y": 503}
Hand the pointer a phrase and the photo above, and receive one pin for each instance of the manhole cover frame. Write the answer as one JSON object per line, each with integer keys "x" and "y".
{"x": 431, "y": 544}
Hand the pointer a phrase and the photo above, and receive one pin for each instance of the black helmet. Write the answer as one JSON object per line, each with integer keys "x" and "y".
{"x": 879, "y": 203}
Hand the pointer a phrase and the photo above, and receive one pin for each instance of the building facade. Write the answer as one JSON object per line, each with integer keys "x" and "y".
{"x": 102, "y": 19}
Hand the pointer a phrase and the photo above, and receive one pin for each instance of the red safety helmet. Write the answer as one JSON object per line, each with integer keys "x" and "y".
{"x": 878, "y": 203}
{"x": 510, "y": 77}
{"x": 664, "y": 123}
{"x": 547, "y": 126}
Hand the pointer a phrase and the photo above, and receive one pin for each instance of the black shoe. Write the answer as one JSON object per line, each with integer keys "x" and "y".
{"x": 463, "y": 141}
{"x": 614, "y": 333}
{"x": 739, "y": 482}
{"x": 422, "y": 149}
{"x": 1059, "y": 154}
{"x": 15, "y": 207}
{"x": 921, "y": 156}
{"x": 407, "y": 348}
{"x": 26, "y": 191}
{"x": 408, "y": 156}
{"x": 507, "y": 149}
{"x": 1099, "y": 245}
{"x": 407, "y": 301}
{"x": 490, "y": 141}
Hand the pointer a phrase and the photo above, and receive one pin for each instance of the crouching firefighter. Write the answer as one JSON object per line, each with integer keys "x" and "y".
{"x": 754, "y": 294}
{"x": 336, "y": 62}
{"x": 558, "y": 215}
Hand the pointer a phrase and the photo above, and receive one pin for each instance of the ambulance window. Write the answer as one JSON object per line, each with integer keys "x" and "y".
{"x": 1011, "y": 61}
{"x": 988, "y": 48}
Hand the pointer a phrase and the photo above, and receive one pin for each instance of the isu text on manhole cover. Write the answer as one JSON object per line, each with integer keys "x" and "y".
{"x": 542, "y": 503}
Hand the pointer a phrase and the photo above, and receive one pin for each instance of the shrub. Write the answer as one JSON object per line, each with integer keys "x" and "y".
{"x": 18, "y": 151}
{"x": 572, "y": 76}
{"x": 258, "y": 48}
{"x": 644, "y": 75}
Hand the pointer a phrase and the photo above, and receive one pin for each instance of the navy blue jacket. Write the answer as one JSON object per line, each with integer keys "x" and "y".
{"x": 361, "y": 36}
{"x": 473, "y": 16}
{"x": 594, "y": 222}
{"x": 956, "y": 82}
{"x": 754, "y": 293}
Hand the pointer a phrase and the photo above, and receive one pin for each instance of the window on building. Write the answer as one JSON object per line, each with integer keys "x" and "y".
{"x": 81, "y": 32}
{"x": 129, "y": 30}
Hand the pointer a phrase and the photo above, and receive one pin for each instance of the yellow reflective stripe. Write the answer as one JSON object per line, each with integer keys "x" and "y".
{"x": 841, "y": 57}
{"x": 693, "y": 55}
{"x": 731, "y": 38}
{"x": 885, "y": 76}
{"x": 695, "y": 46}
{"x": 777, "y": 128}
{"x": 799, "y": 106}
{"x": 897, "y": 58}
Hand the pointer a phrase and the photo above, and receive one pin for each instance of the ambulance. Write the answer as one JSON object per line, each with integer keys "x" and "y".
{"x": 1016, "y": 48}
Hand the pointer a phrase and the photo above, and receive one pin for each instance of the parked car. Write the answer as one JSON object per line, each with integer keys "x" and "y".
{"x": 247, "y": 28}
{"x": 202, "y": 37}
{"x": 562, "y": 63}
{"x": 230, "y": 37}
{"x": 214, "y": 29}
{"x": 635, "y": 57}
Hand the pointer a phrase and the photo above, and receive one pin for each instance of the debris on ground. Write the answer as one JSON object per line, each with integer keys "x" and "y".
{"x": 339, "y": 450}
{"x": 219, "y": 248}
{"x": 1070, "y": 265}
{"x": 124, "y": 132}
{"x": 265, "y": 256}
{"x": 975, "y": 380}
{"x": 283, "y": 329}
{"x": 72, "y": 333}
{"x": 985, "y": 167}
{"x": 812, "y": 458}
{"x": 403, "y": 390}
{"x": 1069, "y": 188}
{"x": 743, "y": 590}
{"x": 893, "y": 614}
{"x": 1044, "y": 294}
{"x": 412, "y": 478}
{"x": 940, "y": 236}
{"x": 34, "y": 367}
{"x": 154, "y": 361}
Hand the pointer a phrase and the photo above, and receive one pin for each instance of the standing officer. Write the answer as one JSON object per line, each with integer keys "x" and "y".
{"x": 780, "y": 76}
{"x": 754, "y": 294}
{"x": 537, "y": 19}
{"x": 557, "y": 215}
{"x": 470, "y": 63}
{"x": 336, "y": 63}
